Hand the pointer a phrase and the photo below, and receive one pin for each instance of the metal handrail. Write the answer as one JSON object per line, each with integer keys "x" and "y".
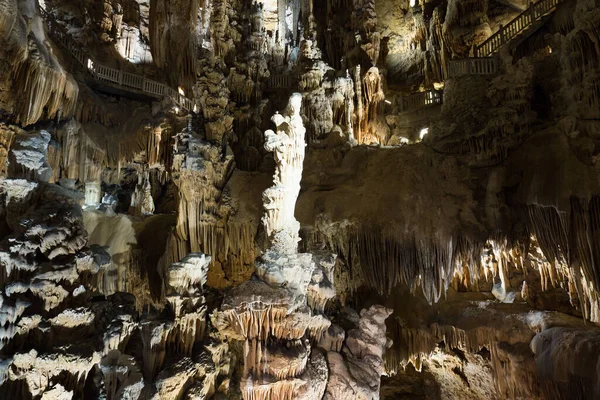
{"x": 279, "y": 82}
{"x": 518, "y": 25}
{"x": 420, "y": 100}
{"x": 473, "y": 66}
{"x": 105, "y": 73}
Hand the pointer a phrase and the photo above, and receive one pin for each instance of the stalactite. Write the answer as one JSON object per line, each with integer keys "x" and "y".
{"x": 221, "y": 43}
{"x": 359, "y": 106}
{"x": 374, "y": 96}
{"x": 465, "y": 12}
{"x": 382, "y": 261}
{"x": 42, "y": 88}
{"x": 418, "y": 345}
{"x": 141, "y": 199}
{"x": 173, "y": 46}
{"x": 437, "y": 50}
{"x": 46, "y": 92}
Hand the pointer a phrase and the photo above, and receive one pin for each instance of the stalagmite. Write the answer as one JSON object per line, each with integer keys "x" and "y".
{"x": 142, "y": 202}
{"x": 275, "y": 306}
{"x": 365, "y": 344}
{"x": 93, "y": 193}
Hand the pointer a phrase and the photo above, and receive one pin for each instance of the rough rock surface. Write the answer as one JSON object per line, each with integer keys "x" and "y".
{"x": 420, "y": 221}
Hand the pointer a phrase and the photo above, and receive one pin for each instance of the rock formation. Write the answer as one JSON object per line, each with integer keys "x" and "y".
{"x": 283, "y": 199}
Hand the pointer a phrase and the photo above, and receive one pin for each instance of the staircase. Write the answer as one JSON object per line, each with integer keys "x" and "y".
{"x": 526, "y": 22}
{"x": 104, "y": 74}
{"x": 485, "y": 62}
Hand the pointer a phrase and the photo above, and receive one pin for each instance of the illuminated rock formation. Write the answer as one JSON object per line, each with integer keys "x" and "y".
{"x": 439, "y": 158}
{"x": 47, "y": 271}
{"x": 93, "y": 193}
{"x": 274, "y": 307}
{"x": 357, "y": 370}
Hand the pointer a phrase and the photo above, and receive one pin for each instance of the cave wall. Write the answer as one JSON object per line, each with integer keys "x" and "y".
{"x": 150, "y": 250}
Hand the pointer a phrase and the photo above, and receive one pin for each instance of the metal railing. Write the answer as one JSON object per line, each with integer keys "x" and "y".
{"x": 520, "y": 24}
{"x": 341, "y": 3}
{"x": 419, "y": 100}
{"x": 104, "y": 73}
{"x": 472, "y": 66}
{"x": 279, "y": 82}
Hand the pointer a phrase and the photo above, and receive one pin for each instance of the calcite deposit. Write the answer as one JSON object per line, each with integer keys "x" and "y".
{"x": 285, "y": 199}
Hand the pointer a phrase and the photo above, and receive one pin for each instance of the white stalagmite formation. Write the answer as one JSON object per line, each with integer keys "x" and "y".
{"x": 275, "y": 306}
{"x": 285, "y": 303}
{"x": 288, "y": 147}
{"x": 282, "y": 264}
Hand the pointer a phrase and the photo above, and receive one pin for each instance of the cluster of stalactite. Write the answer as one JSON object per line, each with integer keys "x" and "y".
{"x": 85, "y": 154}
{"x": 231, "y": 84}
{"x": 350, "y": 36}
{"x": 559, "y": 246}
{"x": 46, "y": 92}
{"x": 248, "y": 141}
{"x": 365, "y": 20}
{"x": 90, "y": 108}
{"x": 223, "y": 35}
{"x": 213, "y": 93}
{"x": 581, "y": 61}
{"x": 111, "y": 17}
{"x": 437, "y": 54}
{"x": 205, "y": 218}
{"x": 128, "y": 266}
{"x": 232, "y": 244}
{"x": 467, "y": 12}
{"x": 512, "y": 376}
{"x": 568, "y": 240}
{"x": 174, "y": 46}
{"x": 42, "y": 88}
{"x": 414, "y": 345}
